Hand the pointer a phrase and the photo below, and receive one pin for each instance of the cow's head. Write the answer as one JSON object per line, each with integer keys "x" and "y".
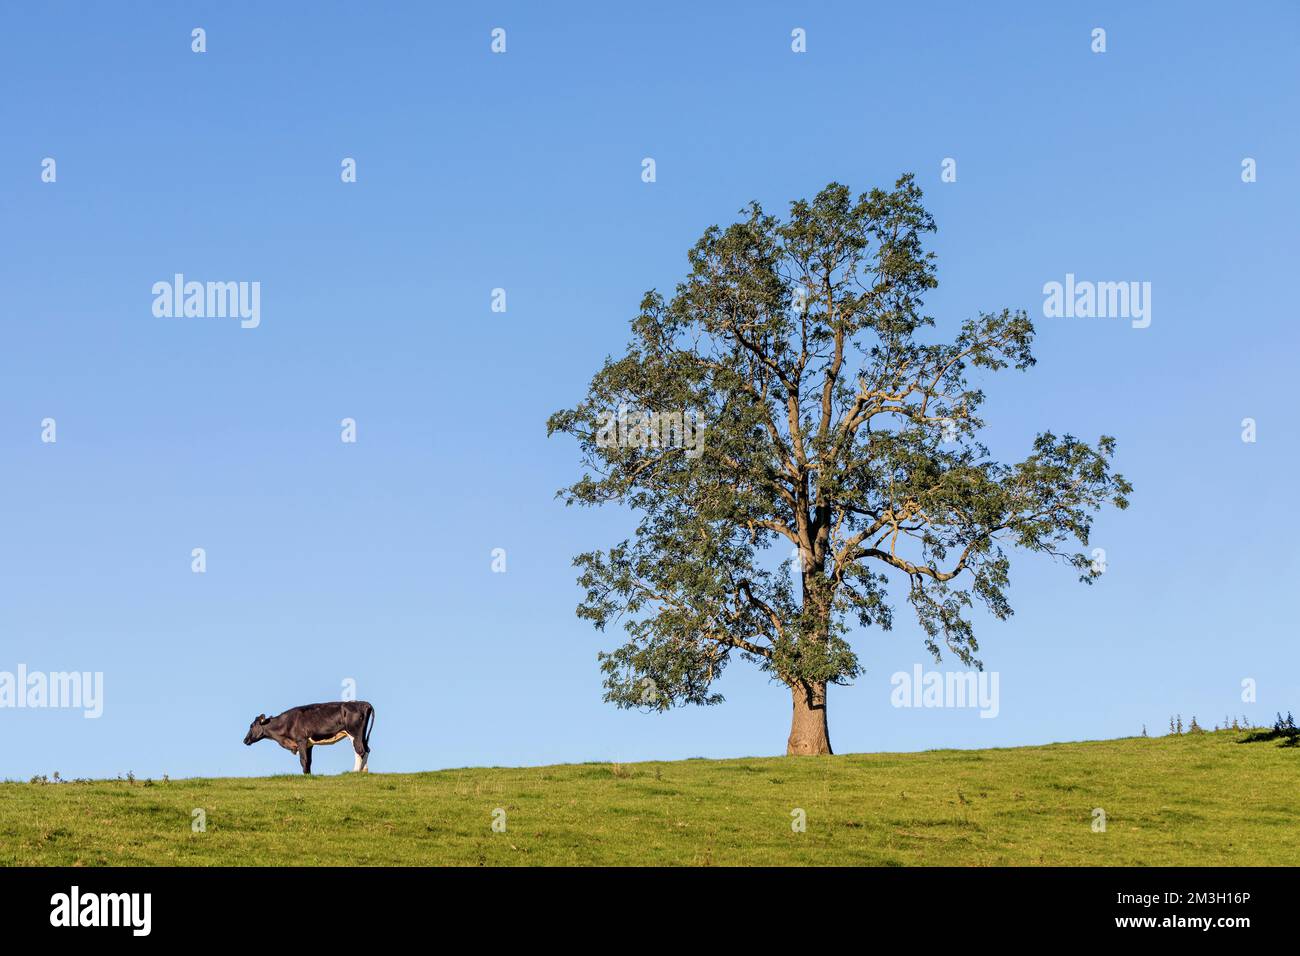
{"x": 257, "y": 730}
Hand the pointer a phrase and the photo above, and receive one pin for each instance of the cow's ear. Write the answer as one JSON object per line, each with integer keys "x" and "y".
{"x": 261, "y": 719}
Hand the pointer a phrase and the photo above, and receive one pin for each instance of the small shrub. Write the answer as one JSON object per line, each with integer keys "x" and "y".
{"x": 1283, "y": 729}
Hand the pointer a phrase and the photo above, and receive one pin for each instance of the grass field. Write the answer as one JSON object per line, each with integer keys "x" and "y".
{"x": 1194, "y": 799}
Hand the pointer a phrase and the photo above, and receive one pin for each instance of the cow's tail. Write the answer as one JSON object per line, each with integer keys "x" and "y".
{"x": 370, "y": 722}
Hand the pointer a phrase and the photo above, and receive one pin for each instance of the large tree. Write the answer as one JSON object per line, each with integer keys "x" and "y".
{"x": 836, "y": 432}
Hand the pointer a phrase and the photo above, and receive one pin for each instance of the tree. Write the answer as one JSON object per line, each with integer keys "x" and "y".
{"x": 832, "y": 428}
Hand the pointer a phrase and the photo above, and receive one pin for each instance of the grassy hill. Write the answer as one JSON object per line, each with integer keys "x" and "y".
{"x": 1195, "y": 799}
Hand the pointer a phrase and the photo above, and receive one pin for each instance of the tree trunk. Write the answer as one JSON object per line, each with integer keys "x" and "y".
{"x": 809, "y": 733}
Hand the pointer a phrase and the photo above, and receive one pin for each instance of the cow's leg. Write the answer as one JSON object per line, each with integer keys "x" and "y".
{"x": 363, "y": 756}
{"x": 304, "y": 754}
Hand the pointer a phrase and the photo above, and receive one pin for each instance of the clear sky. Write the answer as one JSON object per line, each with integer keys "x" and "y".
{"x": 372, "y": 561}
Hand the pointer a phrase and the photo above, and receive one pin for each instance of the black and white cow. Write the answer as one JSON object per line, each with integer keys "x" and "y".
{"x": 301, "y": 728}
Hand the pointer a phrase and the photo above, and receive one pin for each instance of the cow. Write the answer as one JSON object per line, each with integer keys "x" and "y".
{"x": 299, "y": 729}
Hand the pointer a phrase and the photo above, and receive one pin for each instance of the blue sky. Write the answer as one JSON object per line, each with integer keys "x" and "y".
{"x": 372, "y": 561}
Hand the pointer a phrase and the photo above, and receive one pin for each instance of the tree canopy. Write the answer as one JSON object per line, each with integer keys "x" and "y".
{"x": 836, "y": 430}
